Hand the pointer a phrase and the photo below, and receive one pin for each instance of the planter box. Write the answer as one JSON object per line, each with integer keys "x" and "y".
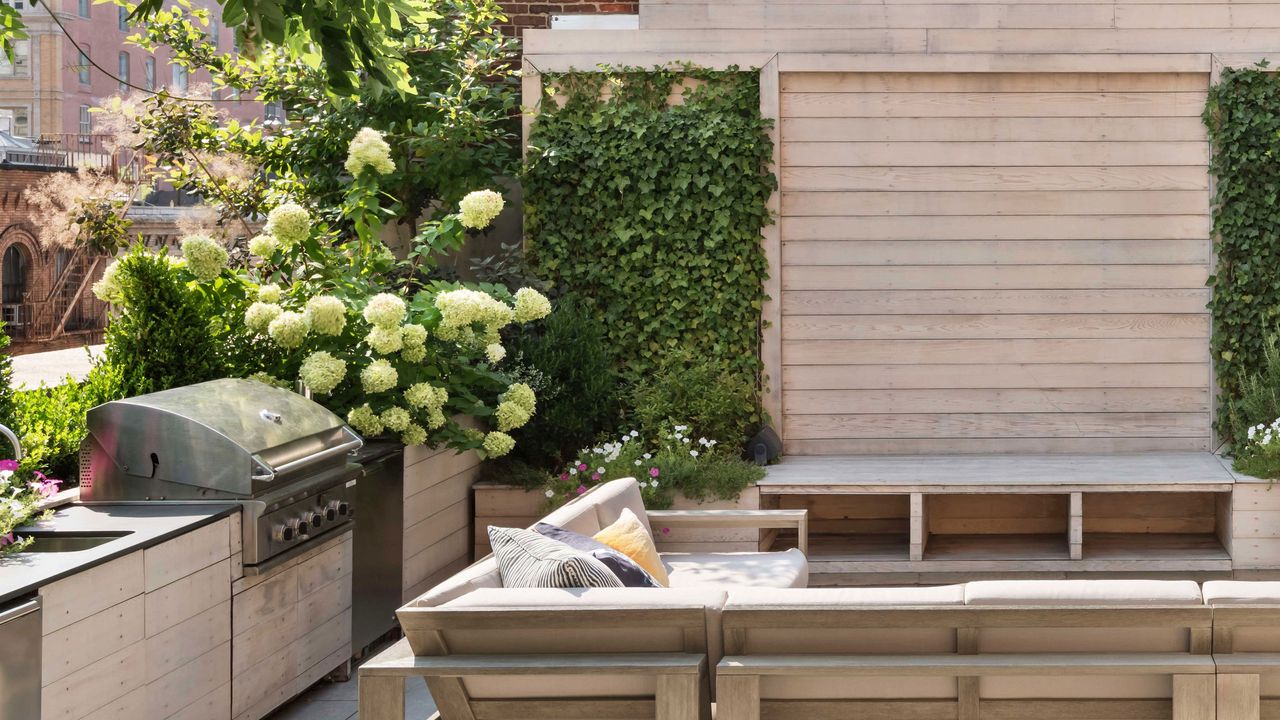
{"x": 508, "y": 506}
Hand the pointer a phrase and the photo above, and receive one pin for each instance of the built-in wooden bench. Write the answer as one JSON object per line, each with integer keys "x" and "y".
{"x": 872, "y": 517}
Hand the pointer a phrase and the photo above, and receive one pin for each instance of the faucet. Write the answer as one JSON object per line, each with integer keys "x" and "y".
{"x": 12, "y": 437}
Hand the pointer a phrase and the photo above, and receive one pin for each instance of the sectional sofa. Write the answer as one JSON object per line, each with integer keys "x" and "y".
{"x": 740, "y": 635}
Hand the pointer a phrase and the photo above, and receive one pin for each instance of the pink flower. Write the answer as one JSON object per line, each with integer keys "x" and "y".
{"x": 582, "y": 489}
{"x": 595, "y": 476}
{"x": 582, "y": 466}
{"x": 653, "y": 472}
{"x": 6, "y": 539}
{"x": 10, "y": 465}
{"x": 564, "y": 476}
{"x": 666, "y": 531}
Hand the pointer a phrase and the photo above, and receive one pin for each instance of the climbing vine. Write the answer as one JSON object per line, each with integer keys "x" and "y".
{"x": 1243, "y": 117}
{"x": 651, "y": 212}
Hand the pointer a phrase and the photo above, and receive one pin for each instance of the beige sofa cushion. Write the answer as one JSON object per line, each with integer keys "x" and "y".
{"x": 787, "y": 569}
{"x": 623, "y": 638}
{"x": 610, "y": 499}
{"x": 1083, "y": 592}
{"x": 1241, "y": 592}
{"x": 844, "y": 597}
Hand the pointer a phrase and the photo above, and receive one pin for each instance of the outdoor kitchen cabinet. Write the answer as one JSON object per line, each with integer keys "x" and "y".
{"x": 146, "y": 635}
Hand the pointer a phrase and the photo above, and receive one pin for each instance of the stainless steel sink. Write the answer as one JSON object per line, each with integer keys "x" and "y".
{"x": 54, "y": 541}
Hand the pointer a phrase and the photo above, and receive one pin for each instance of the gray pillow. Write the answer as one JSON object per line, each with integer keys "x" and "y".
{"x": 529, "y": 560}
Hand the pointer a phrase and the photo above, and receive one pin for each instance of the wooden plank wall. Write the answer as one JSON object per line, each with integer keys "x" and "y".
{"x": 994, "y": 262}
{"x": 437, "y": 515}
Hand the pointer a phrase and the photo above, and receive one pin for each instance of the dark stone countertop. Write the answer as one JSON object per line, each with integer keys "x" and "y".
{"x": 147, "y": 524}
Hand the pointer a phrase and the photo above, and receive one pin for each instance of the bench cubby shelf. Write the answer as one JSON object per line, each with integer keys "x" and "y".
{"x": 1066, "y": 515}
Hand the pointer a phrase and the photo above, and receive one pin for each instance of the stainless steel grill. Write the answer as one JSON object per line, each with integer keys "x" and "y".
{"x": 283, "y": 457}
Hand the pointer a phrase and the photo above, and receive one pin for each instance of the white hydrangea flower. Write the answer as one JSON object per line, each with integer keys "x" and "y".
{"x": 497, "y": 444}
{"x": 384, "y": 340}
{"x": 531, "y": 305}
{"x": 385, "y": 310}
{"x": 425, "y": 396}
{"x": 368, "y": 149}
{"x": 365, "y": 420}
{"x": 495, "y": 352}
{"x": 288, "y": 329}
{"x": 414, "y": 353}
{"x": 259, "y": 316}
{"x": 269, "y": 293}
{"x": 263, "y": 246}
{"x": 396, "y": 418}
{"x": 479, "y": 208}
{"x": 322, "y": 372}
{"x": 462, "y": 309}
{"x": 521, "y": 394}
{"x": 379, "y": 376}
{"x": 108, "y": 288}
{"x": 413, "y": 334}
{"x": 510, "y": 416}
{"x": 414, "y": 434}
{"x": 289, "y": 223}
{"x": 327, "y": 314}
{"x": 205, "y": 257}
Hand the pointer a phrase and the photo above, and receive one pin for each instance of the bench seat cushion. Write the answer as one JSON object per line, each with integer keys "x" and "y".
{"x": 845, "y": 597}
{"x": 1241, "y": 592}
{"x": 1083, "y": 592}
{"x": 787, "y": 569}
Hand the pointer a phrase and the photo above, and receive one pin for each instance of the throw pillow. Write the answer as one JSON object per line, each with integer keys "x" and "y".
{"x": 631, "y": 574}
{"x": 528, "y": 560}
{"x": 629, "y": 536}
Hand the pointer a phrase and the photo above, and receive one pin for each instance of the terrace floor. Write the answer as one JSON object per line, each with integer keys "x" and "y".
{"x": 339, "y": 701}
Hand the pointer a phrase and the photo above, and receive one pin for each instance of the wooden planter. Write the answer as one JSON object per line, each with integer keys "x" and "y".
{"x": 509, "y": 506}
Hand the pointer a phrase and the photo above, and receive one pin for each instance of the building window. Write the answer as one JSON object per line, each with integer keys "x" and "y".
{"x": 16, "y": 121}
{"x": 180, "y": 78}
{"x": 124, "y": 72}
{"x": 21, "y": 65}
{"x": 213, "y": 32}
{"x": 86, "y": 123}
{"x": 13, "y": 275}
{"x": 84, "y": 8}
{"x": 122, "y": 18}
{"x": 149, "y": 72}
{"x": 273, "y": 113}
{"x": 82, "y": 66}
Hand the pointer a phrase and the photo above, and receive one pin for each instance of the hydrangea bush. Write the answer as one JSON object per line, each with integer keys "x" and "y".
{"x": 361, "y": 329}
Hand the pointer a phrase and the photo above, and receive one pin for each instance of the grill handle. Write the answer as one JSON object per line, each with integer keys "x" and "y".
{"x": 269, "y": 473}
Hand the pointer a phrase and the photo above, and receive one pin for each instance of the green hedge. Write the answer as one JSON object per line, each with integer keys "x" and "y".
{"x": 652, "y": 214}
{"x": 1243, "y": 117}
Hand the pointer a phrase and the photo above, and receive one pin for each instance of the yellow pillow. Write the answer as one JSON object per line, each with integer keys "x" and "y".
{"x": 629, "y": 536}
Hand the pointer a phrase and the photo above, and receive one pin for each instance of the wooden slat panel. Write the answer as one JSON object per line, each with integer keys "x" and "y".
{"x": 996, "y": 375}
{"x": 968, "y": 302}
{"x": 996, "y": 252}
{"x": 77, "y": 597}
{"x": 934, "y": 327}
{"x": 994, "y": 178}
{"x": 931, "y": 446}
{"x": 998, "y": 425}
{"x": 1106, "y": 41}
{"x": 966, "y": 104}
{"x": 986, "y": 204}
{"x": 1018, "y": 277}
{"x": 1010, "y": 154}
{"x": 994, "y": 82}
{"x": 1207, "y": 15}
{"x": 975, "y": 351}
{"x": 1009, "y": 227}
{"x": 1028, "y": 129}
{"x": 1027, "y": 400}
{"x": 684, "y": 42}
{"x": 793, "y": 16}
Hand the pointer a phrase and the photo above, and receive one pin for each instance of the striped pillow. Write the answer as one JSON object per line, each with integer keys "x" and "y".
{"x": 529, "y": 560}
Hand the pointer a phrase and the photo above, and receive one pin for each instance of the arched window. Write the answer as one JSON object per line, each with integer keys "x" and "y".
{"x": 13, "y": 275}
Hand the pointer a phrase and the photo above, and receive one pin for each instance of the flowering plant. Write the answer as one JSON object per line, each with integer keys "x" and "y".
{"x": 674, "y": 462}
{"x": 1259, "y": 454}
{"x": 360, "y": 328}
{"x": 21, "y": 491}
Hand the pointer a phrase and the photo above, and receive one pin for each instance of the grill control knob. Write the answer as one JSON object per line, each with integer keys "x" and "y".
{"x": 331, "y": 512}
{"x": 284, "y": 533}
{"x": 300, "y": 526}
{"x": 343, "y": 508}
{"x": 316, "y": 519}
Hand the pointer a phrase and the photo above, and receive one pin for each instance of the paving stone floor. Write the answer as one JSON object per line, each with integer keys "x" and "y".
{"x": 338, "y": 701}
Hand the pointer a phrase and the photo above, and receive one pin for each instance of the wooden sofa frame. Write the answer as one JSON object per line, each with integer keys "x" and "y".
{"x": 1239, "y": 695}
{"x": 739, "y": 673}
{"x": 682, "y": 681}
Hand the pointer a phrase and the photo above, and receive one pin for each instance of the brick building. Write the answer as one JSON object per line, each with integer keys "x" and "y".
{"x": 538, "y": 15}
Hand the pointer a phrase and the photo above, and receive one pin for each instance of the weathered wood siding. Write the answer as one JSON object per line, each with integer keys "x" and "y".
{"x": 994, "y": 262}
{"x": 437, "y": 515}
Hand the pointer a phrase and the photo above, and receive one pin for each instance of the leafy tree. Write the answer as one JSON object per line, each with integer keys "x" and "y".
{"x": 348, "y": 41}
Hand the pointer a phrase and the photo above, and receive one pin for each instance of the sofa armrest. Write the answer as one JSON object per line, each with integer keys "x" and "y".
{"x": 761, "y": 519}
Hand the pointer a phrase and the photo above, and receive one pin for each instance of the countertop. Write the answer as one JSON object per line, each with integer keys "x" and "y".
{"x": 148, "y": 524}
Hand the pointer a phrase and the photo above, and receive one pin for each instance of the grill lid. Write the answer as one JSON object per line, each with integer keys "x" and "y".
{"x": 232, "y": 435}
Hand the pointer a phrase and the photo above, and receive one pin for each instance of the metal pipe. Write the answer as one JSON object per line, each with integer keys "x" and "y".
{"x": 13, "y": 440}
